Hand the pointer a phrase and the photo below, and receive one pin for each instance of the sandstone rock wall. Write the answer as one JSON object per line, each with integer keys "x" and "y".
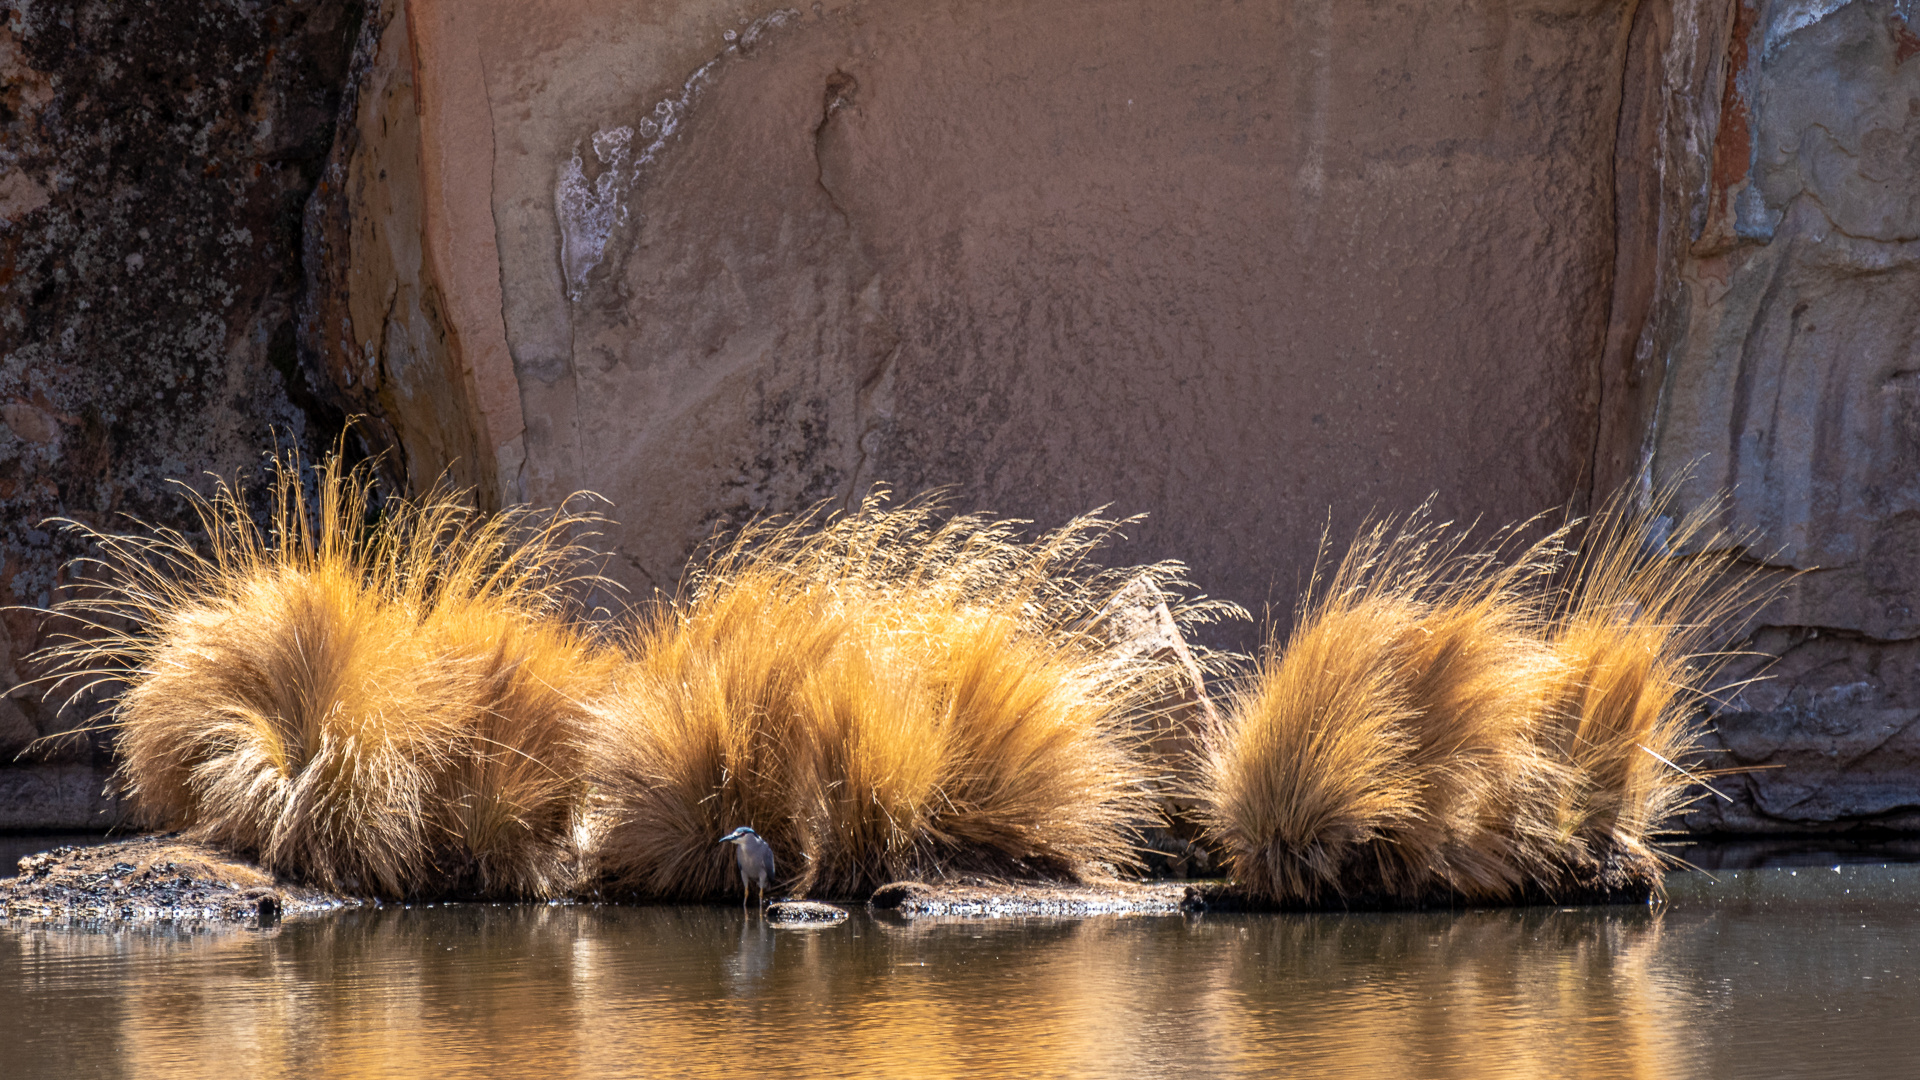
{"x": 1257, "y": 270}
{"x": 155, "y": 160}
{"x": 1238, "y": 266}
{"x": 402, "y": 308}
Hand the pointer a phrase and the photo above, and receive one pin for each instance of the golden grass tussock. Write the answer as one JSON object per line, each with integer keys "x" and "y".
{"x": 886, "y": 695}
{"x": 1474, "y": 724}
{"x": 1650, "y": 598}
{"x": 384, "y": 700}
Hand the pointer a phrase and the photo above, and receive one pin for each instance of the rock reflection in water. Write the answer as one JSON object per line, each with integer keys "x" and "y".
{"x": 562, "y": 992}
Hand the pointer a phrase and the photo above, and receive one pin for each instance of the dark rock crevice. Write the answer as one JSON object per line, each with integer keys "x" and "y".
{"x": 325, "y": 257}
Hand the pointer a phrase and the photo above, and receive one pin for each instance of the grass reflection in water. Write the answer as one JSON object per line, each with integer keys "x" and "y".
{"x": 1749, "y": 977}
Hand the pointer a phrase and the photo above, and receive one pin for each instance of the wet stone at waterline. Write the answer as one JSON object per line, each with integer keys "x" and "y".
{"x": 804, "y": 913}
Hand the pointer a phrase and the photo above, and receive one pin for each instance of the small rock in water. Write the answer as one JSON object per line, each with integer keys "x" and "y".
{"x": 804, "y": 911}
{"x": 267, "y": 905}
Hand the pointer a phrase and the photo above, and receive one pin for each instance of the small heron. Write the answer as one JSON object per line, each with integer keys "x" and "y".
{"x": 754, "y": 858}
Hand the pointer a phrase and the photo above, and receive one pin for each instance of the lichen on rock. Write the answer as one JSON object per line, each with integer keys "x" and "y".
{"x": 154, "y": 162}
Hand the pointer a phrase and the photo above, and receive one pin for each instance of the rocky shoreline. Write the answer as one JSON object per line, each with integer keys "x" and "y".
{"x": 169, "y": 878}
{"x": 154, "y": 879}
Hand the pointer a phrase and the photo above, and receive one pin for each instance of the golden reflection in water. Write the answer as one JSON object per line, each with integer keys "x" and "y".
{"x": 565, "y": 992}
{"x": 1474, "y": 994}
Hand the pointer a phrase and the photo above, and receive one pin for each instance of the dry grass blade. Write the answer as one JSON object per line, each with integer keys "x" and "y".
{"x": 386, "y": 702}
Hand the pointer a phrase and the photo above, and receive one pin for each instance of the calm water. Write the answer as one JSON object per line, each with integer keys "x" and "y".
{"x": 15, "y": 845}
{"x": 1794, "y": 971}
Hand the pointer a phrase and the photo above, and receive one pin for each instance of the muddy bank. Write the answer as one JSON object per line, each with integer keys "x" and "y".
{"x": 152, "y": 878}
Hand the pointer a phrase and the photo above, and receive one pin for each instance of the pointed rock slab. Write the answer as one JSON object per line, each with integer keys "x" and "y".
{"x": 805, "y": 912}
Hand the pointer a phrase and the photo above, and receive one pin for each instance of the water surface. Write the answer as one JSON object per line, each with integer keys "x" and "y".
{"x": 1795, "y": 971}
{"x": 14, "y": 845}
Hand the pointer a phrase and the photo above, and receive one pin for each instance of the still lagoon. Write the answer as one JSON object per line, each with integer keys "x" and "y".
{"x": 1807, "y": 969}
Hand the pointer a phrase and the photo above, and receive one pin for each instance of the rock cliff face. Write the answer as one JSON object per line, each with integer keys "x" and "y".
{"x": 155, "y": 160}
{"x": 1233, "y": 265}
{"x": 400, "y": 320}
{"x": 1257, "y": 270}
{"x": 1793, "y": 379}
{"x": 1252, "y": 269}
